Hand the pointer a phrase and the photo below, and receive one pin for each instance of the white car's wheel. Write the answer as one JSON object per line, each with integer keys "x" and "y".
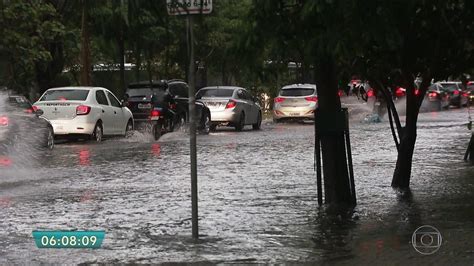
{"x": 98, "y": 132}
{"x": 128, "y": 129}
{"x": 50, "y": 139}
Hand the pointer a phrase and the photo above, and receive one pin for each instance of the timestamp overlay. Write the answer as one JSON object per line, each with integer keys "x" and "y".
{"x": 68, "y": 239}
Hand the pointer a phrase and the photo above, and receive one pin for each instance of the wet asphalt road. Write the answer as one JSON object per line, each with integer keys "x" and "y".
{"x": 257, "y": 195}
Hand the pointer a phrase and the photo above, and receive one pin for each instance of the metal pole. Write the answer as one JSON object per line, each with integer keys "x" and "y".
{"x": 318, "y": 171}
{"x": 192, "y": 130}
{"x": 317, "y": 143}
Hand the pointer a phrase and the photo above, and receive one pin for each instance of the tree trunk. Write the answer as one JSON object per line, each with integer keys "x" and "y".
{"x": 167, "y": 49}
{"x": 138, "y": 62}
{"x": 402, "y": 173}
{"x": 121, "y": 45}
{"x": 224, "y": 73}
{"x": 336, "y": 177}
{"x": 85, "y": 47}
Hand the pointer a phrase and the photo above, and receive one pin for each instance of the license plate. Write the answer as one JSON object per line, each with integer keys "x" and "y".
{"x": 155, "y": 118}
{"x": 294, "y": 114}
{"x": 144, "y": 106}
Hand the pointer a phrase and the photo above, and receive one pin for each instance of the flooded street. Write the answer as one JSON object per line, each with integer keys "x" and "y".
{"x": 257, "y": 198}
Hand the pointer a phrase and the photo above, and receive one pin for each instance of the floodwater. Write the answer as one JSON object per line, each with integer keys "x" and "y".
{"x": 257, "y": 198}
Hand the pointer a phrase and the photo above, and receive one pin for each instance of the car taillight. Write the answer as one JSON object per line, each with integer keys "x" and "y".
{"x": 312, "y": 99}
{"x": 279, "y": 99}
{"x": 83, "y": 110}
{"x": 3, "y": 121}
{"x": 172, "y": 106}
{"x": 340, "y": 93}
{"x": 456, "y": 92}
{"x": 370, "y": 93}
{"x": 399, "y": 92}
{"x": 155, "y": 113}
{"x": 31, "y": 110}
{"x": 433, "y": 94}
{"x": 231, "y": 104}
{"x": 417, "y": 92}
{"x": 465, "y": 94}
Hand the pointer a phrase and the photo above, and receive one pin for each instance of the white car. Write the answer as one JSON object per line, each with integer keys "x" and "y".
{"x": 295, "y": 102}
{"x": 85, "y": 111}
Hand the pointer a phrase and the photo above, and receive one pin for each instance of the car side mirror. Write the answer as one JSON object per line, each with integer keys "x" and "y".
{"x": 39, "y": 112}
{"x": 124, "y": 103}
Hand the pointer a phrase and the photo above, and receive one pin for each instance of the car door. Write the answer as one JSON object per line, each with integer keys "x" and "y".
{"x": 245, "y": 105}
{"x": 254, "y": 109}
{"x": 118, "y": 115}
{"x": 179, "y": 91}
{"x": 107, "y": 112}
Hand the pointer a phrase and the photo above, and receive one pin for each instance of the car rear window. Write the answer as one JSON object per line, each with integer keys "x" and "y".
{"x": 296, "y": 92}
{"x": 180, "y": 90}
{"x": 65, "y": 95}
{"x": 21, "y": 102}
{"x": 210, "y": 93}
{"x": 450, "y": 87}
{"x": 139, "y": 92}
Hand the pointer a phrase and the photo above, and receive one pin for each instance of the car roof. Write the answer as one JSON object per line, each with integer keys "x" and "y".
{"x": 16, "y": 96}
{"x": 153, "y": 83}
{"x": 77, "y": 88}
{"x": 450, "y": 82}
{"x": 299, "y": 85}
{"x": 222, "y": 87}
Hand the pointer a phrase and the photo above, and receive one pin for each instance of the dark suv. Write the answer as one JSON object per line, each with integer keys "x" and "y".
{"x": 138, "y": 95}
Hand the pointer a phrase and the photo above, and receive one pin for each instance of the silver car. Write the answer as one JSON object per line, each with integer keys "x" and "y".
{"x": 296, "y": 101}
{"x": 231, "y": 106}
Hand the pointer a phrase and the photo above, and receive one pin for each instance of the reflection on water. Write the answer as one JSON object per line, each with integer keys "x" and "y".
{"x": 84, "y": 156}
{"x": 257, "y": 197}
{"x": 156, "y": 149}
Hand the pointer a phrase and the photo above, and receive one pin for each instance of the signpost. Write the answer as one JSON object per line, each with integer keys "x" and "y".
{"x": 188, "y": 8}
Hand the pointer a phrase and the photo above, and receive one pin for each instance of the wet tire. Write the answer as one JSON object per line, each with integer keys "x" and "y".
{"x": 241, "y": 124}
{"x": 129, "y": 129}
{"x": 50, "y": 139}
{"x": 98, "y": 133}
{"x": 156, "y": 131}
{"x": 205, "y": 124}
{"x": 180, "y": 124}
{"x": 257, "y": 125}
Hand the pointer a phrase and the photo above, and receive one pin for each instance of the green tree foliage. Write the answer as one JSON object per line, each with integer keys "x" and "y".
{"x": 30, "y": 32}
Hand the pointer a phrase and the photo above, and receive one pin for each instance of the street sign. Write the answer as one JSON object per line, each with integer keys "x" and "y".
{"x": 188, "y": 7}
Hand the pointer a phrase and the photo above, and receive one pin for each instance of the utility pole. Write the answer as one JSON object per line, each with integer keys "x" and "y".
{"x": 192, "y": 128}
